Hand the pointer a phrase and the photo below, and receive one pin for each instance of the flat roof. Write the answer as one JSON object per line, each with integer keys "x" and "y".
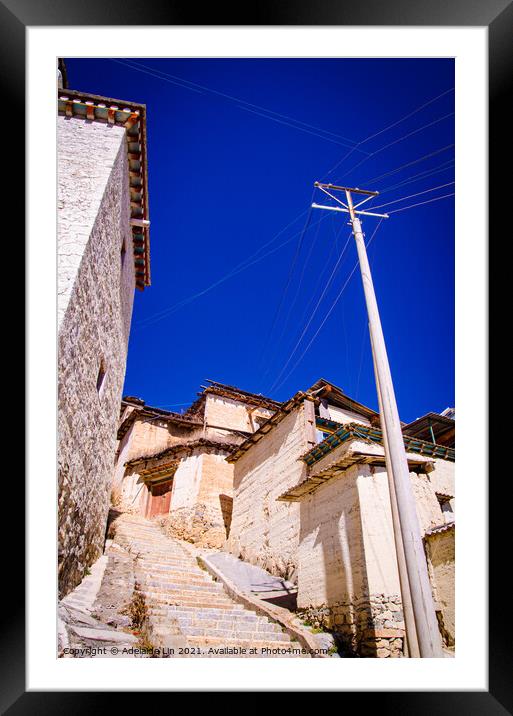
{"x": 443, "y": 428}
{"x": 232, "y": 393}
{"x": 323, "y": 388}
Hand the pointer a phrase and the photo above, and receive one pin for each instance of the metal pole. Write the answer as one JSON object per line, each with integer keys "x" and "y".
{"x": 422, "y": 598}
{"x": 411, "y": 646}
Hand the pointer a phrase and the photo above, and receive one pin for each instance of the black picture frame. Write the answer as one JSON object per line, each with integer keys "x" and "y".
{"x": 497, "y": 15}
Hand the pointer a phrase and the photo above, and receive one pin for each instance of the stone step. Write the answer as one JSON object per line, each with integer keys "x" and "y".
{"x": 178, "y": 575}
{"x": 186, "y": 591}
{"x": 186, "y": 601}
{"x": 183, "y": 599}
{"x": 168, "y": 558}
{"x": 178, "y": 565}
{"x": 181, "y": 586}
{"x": 181, "y": 578}
{"x": 224, "y": 613}
{"x": 165, "y": 559}
{"x": 246, "y": 643}
{"x": 229, "y": 629}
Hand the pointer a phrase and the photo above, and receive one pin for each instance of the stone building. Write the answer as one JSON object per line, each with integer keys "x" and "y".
{"x": 103, "y": 254}
{"x": 174, "y": 465}
{"x": 311, "y": 504}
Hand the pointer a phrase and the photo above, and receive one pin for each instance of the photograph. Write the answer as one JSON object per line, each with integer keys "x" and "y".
{"x": 256, "y": 376}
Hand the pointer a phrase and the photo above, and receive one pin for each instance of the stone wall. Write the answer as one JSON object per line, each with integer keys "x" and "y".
{"x": 95, "y": 297}
{"x": 263, "y": 530}
{"x": 347, "y": 569}
{"x": 347, "y": 561}
{"x": 440, "y": 555}
{"x": 200, "y": 509}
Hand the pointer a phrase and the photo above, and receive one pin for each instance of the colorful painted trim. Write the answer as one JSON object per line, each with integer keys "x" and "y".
{"x": 355, "y": 430}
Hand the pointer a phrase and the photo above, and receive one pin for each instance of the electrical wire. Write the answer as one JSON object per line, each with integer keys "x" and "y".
{"x": 326, "y": 288}
{"x": 289, "y": 278}
{"x": 285, "y": 323}
{"x": 410, "y": 196}
{"x": 421, "y": 203}
{"x": 302, "y": 129}
{"x": 401, "y": 139}
{"x": 409, "y": 164}
{"x": 241, "y": 266}
{"x": 390, "y": 126}
{"x": 421, "y": 175}
{"x": 242, "y": 104}
{"x": 328, "y": 314}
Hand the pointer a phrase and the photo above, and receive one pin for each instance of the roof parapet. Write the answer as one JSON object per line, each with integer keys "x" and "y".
{"x": 132, "y": 117}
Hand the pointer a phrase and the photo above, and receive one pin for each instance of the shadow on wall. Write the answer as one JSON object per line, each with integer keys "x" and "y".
{"x": 343, "y": 605}
{"x": 226, "y": 503}
{"x": 110, "y": 530}
{"x": 265, "y": 530}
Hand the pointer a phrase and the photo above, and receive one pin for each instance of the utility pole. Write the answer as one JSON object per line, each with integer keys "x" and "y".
{"x": 427, "y": 632}
{"x": 411, "y": 649}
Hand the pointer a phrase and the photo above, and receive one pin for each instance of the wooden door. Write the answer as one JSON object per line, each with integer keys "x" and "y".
{"x": 159, "y": 499}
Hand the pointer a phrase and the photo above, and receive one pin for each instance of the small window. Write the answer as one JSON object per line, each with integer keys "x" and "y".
{"x": 446, "y": 507}
{"x": 123, "y": 253}
{"x": 100, "y": 380}
{"x": 320, "y": 435}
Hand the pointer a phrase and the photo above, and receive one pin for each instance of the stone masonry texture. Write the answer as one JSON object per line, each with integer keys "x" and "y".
{"x": 440, "y": 550}
{"x": 95, "y": 298}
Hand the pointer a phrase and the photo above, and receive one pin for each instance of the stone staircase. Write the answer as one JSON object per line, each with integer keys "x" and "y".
{"x": 187, "y": 610}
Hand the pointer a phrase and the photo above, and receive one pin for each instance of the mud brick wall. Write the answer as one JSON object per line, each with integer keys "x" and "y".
{"x": 265, "y": 531}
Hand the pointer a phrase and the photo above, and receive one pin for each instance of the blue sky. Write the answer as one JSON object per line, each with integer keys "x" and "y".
{"x": 231, "y": 296}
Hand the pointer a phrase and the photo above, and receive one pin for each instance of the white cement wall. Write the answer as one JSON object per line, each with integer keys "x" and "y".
{"x": 341, "y": 415}
{"x": 265, "y": 531}
{"x": 224, "y": 414}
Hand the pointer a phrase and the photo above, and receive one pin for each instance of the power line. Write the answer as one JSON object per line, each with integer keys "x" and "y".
{"x": 407, "y": 116}
{"x": 328, "y": 284}
{"x": 326, "y": 316}
{"x": 421, "y": 175}
{"x": 289, "y": 278}
{"x": 285, "y": 324}
{"x": 409, "y": 164}
{"x": 421, "y": 203}
{"x": 302, "y": 129}
{"x": 150, "y": 320}
{"x": 390, "y": 126}
{"x": 234, "y": 271}
{"x": 405, "y": 136}
{"x": 243, "y": 104}
{"x": 410, "y": 196}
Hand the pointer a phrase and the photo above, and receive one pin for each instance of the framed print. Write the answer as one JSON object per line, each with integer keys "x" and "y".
{"x": 256, "y": 291}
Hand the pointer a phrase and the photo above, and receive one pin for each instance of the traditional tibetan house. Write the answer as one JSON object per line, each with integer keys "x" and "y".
{"x": 103, "y": 254}
{"x": 174, "y": 465}
{"x": 311, "y": 503}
